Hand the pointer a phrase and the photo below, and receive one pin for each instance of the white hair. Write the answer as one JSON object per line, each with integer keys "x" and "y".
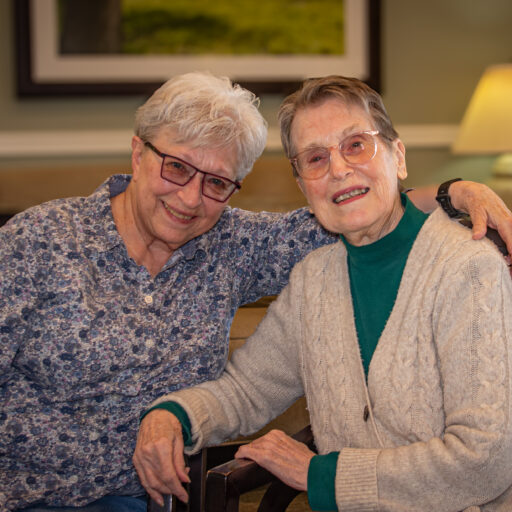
{"x": 206, "y": 111}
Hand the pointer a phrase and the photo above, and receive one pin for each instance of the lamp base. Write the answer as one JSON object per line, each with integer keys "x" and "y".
{"x": 503, "y": 166}
{"x": 501, "y": 181}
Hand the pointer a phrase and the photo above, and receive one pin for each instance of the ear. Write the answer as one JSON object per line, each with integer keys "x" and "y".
{"x": 401, "y": 166}
{"x": 137, "y": 148}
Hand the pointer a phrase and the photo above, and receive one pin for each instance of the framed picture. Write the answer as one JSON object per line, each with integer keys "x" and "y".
{"x": 345, "y": 41}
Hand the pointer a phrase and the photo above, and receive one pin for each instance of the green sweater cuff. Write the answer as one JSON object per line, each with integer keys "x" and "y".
{"x": 321, "y": 479}
{"x": 179, "y": 412}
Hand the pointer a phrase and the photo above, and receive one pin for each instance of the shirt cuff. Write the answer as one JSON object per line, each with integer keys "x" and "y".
{"x": 321, "y": 480}
{"x": 179, "y": 412}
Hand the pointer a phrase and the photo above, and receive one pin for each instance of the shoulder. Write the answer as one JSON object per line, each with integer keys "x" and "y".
{"x": 56, "y": 214}
{"x": 449, "y": 244}
{"x": 43, "y": 217}
{"x": 452, "y": 236}
{"x": 61, "y": 219}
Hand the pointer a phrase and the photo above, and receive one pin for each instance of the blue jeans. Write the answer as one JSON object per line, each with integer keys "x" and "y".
{"x": 105, "y": 504}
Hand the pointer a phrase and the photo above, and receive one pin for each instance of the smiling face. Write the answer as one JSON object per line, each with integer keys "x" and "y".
{"x": 169, "y": 214}
{"x": 360, "y": 201}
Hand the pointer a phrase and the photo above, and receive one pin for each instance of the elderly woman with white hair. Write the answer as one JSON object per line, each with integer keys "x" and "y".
{"x": 111, "y": 300}
{"x": 399, "y": 336}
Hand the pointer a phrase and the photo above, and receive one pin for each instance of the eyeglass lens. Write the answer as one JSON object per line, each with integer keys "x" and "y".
{"x": 356, "y": 149}
{"x": 180, "y": 173}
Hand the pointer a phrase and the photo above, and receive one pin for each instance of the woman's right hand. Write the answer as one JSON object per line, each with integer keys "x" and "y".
{"x": 158, "y": 456}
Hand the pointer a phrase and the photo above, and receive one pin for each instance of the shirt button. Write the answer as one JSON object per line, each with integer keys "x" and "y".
{"x": 366, "y": 413}
{"x": 148, "y": 299}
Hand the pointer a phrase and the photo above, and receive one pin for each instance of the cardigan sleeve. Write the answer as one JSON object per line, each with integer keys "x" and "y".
{"x": 262, "y": 379}
{"x": 321, "y": 480}
{"x": 470, "y": 463}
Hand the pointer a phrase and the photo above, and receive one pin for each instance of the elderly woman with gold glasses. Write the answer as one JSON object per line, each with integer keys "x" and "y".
{"x": 399, "y": 335}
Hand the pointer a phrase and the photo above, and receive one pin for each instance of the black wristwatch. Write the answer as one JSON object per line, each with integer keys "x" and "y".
{"x": 444, "y": 200}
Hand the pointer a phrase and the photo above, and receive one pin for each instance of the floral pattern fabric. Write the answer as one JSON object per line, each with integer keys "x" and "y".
{"x": 88, "y": 339}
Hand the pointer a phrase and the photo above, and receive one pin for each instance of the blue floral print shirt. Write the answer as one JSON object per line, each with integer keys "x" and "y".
{"x": 88, "y": 339}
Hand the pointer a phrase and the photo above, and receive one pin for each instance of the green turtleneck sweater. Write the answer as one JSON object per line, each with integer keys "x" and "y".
{"x": 375, "y": 271}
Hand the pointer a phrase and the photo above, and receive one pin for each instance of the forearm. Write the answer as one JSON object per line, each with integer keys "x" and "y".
{"x": 444, "y": 473}
{"x": 271, "y": 244}
{"x": 245, "y": 398}
{"x": 424, "y": 198}
{"x": 261, "y": 380}
{"x": 462, "y": 194}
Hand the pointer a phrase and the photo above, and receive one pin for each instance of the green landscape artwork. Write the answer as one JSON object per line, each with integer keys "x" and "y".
{"x": 275, "y": 27}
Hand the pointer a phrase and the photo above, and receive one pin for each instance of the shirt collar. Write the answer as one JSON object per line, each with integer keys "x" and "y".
{"x": 103, "y": 235}
{"x": 200, "y": 246}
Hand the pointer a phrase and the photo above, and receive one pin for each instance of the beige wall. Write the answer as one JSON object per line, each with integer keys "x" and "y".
{"x": 432, "y": 56}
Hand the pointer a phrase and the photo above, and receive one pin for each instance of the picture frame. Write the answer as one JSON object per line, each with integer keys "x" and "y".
{"x": 41, "y": 71}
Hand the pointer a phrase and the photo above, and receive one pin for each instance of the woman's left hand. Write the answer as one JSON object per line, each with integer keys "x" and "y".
{"x": 485, "y": 209}
{"x": 282, "y": 456}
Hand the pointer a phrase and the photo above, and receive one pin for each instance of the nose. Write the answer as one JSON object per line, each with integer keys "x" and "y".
{"x": 191, "y": 194}
{"x": 339, "y": 168}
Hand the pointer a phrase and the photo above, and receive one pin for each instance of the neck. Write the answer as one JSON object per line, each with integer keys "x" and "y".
{"x": 144, "y": 250}
{"x": 375, "y": 232}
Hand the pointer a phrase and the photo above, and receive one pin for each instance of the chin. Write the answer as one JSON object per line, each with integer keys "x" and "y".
{"x": 350, "y": 226}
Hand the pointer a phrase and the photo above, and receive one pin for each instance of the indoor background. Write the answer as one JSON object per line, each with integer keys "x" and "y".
{"x": 432, "y": 56}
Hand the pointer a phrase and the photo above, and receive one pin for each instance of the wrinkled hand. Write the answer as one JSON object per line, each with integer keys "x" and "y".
{"x": 485, "y": 209}
{"x": 158, "y": 456}
{"x": 282, "y": 456}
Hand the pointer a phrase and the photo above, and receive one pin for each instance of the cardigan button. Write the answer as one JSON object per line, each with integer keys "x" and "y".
{"x": 366, "y": 413}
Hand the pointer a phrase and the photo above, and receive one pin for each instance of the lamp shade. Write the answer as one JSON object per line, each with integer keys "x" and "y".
{"x": 487, "y": 124}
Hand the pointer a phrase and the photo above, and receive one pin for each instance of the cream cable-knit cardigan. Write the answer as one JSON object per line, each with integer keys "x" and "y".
{"x": 438, "y": 436}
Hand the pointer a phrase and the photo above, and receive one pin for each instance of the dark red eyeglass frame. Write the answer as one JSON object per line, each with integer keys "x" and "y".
{"x": 236, "y": 184}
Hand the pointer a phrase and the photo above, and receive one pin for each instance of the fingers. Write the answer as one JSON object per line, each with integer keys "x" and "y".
{"x": 260, "y": 450}
{"x": 479, "y": 228}
{"x": 281, "y": 455}
{"x": 497, "y": 218}
{"x": 505, "y": 230}
{"x": 161, "y": 469}
{"x": 180, "y": 466}
{"x": 485, "y": 208}
{"x": 158, "y": 456}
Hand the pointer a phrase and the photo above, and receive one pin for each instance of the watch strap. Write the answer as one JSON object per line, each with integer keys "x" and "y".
{"x": 443, "y": 198}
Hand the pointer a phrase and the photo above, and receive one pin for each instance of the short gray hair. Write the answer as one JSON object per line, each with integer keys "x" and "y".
{"x": 349, "y": 91}
{"x": 206, "y": 111}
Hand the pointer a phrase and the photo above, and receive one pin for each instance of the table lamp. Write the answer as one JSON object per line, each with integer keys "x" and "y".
{"x": 486, "y": 127}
